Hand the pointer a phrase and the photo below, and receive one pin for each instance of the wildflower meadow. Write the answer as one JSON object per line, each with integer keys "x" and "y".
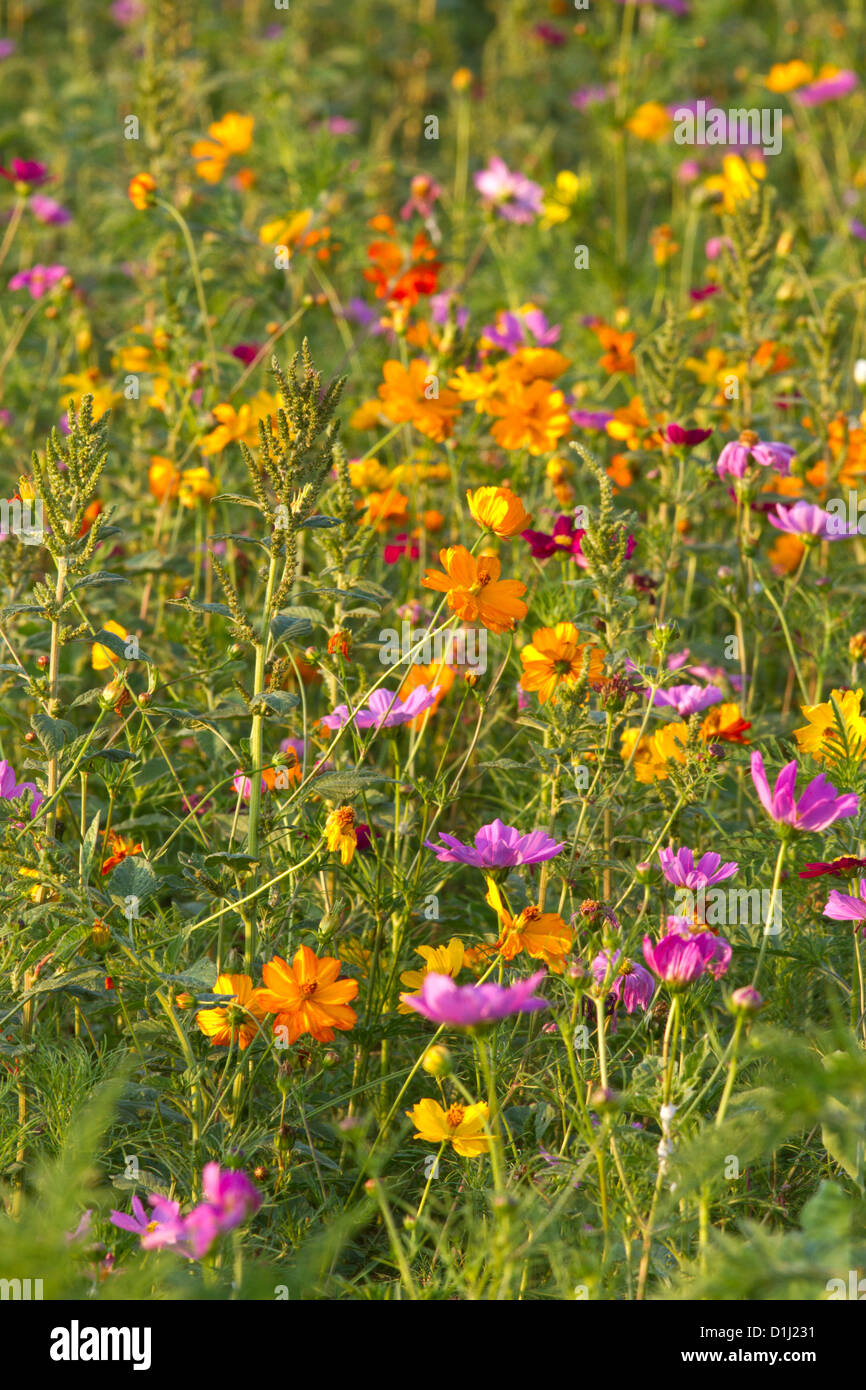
{"x": 432, "y": 643}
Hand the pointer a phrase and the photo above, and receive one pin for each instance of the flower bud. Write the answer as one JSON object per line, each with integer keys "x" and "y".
{"x": 746, "y": 1001}
{"x": 437, "y": 1061}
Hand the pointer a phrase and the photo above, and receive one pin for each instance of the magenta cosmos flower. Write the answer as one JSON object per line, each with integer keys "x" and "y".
{"x": 385, "y": 709}
{"x": 631, "y": 985}
{"x": 39, "y": 279}
{"x": 497, "y": 846}
{"x": 734, "y": 458}
{"x": 680, "y": 960}
{"x": 819, "y": 806}
{"x": 28, "y": 171}
{"x": 468, "y": 1006}
{"x": 810, "y": 523}
{"x": 720, "y": 956}
{"x": 9, "y": 788}
{"x": 842, "y": 907}
{"x": 687, "y": 699}
{"x": 830, "y": 89}
{"x": 677, "y": 434}
{"x": 511, "y": 194}
{"x": 679, "y": 868}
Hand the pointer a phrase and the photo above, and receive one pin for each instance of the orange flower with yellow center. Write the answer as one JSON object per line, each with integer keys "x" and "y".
{"x": 556, "y": 655}
{"x": 499, "y": 510}
{"x": 306, "y": 996}
{"x": 414, "y": 394}
{"x": 340, "y": 833}
{"x": 542, "y": 935}
{"x": 142, "y": 188}
{"x": 724, "y": 724}
{"x": 474, "y": 590}
{"x": 120, "y": 849}
{"x": 461, "y": 1126}
{"x": 237, "y": 1021}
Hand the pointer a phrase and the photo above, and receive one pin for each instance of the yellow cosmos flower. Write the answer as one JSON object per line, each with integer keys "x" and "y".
{"x": 498, "y": 509}
{"x": 439, "y": 960}
{"x": 237, "y": 1021}
{"x": 232, "y": 135}
{"x": 737, "y": 181}
{"x": 785, "y": 77}
{"x": 531, "y": 417}
{"x": 340, "y": 833}
{"x": 654, "y": 751}
{"x": 286, "y": 231}
{"x": 556, "y": 656}
{"x": 462, "y": 1126}
{"x": 197, "y": 485}
{"x": 88, "y": 383}
{"x": 830, "y": 732}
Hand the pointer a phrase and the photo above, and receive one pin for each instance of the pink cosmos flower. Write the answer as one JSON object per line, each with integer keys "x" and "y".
{"x": 687, "y": 699}
{"x": 810, "y": 522}
{"x": 679, "y": 868}
{"x": 511, "y": 194}
{"x": 163, "y": 1227}
{"x": 39, "y": 279}
{"x": 819, "y": 806}
{"x": 680, "y": 960}
{"x": 10, "y": 788}
{"x": 384, "y": 709}
{"x": 734, "y": 458}
{"x": 48, "y": 210}
{"x": 719, "y": 958}
{"x": 631, "y": 984}
{"x": 842, "y": 907}
{"x": 28, "y": 171}
{"x": 468, "y": 1006}
{"x": 497, "y": 846}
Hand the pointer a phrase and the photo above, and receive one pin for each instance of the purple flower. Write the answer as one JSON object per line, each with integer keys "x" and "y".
{"x": 632, "y": 985}
{"x": 590, "y": 419}
{"x": 549, "y": 35}
{"x": 39, "y": 279}
{"x": 734, "y": 458}
{"x": 10, "y": 789}
{"x": 246, "y": 352}
{"x": 588, "y": 96}
{"x": 497, "y": 846}
{"x": 679, "y": 960}
{"x": 467, "y": 1006}
{"x": 439, "y": 305}
{"x": 7, "y": 48}
{"x": 679, "y": 868}
{"x": 828, "y": 90}
{"x": 48, "y": 210}
{"x": 512, "y": 194}
{"x": 385, "y": 708}
{"x": 810, "y": 522}
{"x": 510, "y": 330}
{"x": 844, "y": 908}
{"x": 819, "y": 806}
{"x": 687, "y": 699}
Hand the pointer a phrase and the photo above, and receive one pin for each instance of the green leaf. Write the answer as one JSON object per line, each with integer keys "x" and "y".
{"x": 88, "y": 848}
{"x": 101, "y": 577}
{"x": 286, "y": 629}
{"x": 280, "y": 701}
{"x": 133, "y": 878}
{"x": 52, "y": 733}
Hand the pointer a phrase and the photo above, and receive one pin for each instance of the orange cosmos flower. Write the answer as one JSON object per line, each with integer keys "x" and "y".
{"x": 232, "y": 135}
{"x": 306, "y": 996}
{"x": 474, "y": 590}
{"x": 542, "y": 935}
{"x": 142, "y": 188}
{"x": 414, "y": 395}
{"x": 724, "y": 724}
{"x": 531, "y": 416}
{"x": 120, "y": 849}
{"x": 163, "y": 478}
{"x": 237, "y": 1021}
{"x": 498, "y": 509}
{"x": 617, "y": 350}
{"x": 554, "y": 655}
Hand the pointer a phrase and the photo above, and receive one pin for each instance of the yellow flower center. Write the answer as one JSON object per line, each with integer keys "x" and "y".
{"x": 454, "y": 1115}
